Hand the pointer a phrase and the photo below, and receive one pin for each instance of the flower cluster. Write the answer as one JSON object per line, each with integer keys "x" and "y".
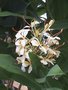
{"x": 43, "y": 43}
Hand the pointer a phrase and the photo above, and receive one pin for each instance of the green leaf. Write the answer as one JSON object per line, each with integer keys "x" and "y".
{"x": 53, "y": 89}
{"x": 57, "y": 9}
{"x": 53, "y": 83}
{"x": 36, "y": 65}
{"x": 63, "y": 62}
{"x": 11, "y": 71}
{"x": 59, "y": 24}
{"x": 55, "y": 70}
{"x": 41, "y": 80}
{"x": 7, "y": 13}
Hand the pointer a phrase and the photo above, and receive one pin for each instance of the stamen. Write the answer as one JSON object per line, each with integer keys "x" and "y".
{"x": 58, "y": 33}
{"x": 59, "y": 46}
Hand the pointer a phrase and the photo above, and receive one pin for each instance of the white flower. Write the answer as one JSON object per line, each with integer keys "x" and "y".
{"x": 21, "y": 42}
{"x": 20, "y": 46}
{"x": 26, "y": 63}
{"x": 22, "y": 33}
{"x": 45, "y": 61}
{"x": 42, "y": 43}
{"x": 20, "y": 59}
{"x": 20, "y": 50}
{"x": 52, "y": 40}
{"x": 35, "y": 41}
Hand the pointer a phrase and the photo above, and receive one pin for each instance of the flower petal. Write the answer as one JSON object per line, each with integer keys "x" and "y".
{"x": 58, "y": 38}
{"x": 30, "y": 69}
{"x": 18, "y": 42}
{"x": 21, "y": 52}
{"x": 17, "y": 49}
{"x": 35, "y": 42}
{"x": 23, "y": 42}
{"x": 44, "y": 62}
{"x": 50, "y": 61}
{"x": 23, "y": 69}
{"x": 22, "y": 33}
{"x": 18, "y": 35}
{"x": 25, "y": 32}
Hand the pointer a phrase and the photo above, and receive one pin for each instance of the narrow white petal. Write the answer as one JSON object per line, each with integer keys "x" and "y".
{"x": 30, "y": 69}
{"x": 27, "y": 56}
{"x": 18, "y": 42}
{"x": 22, "y": 59}
{"x": 23, "y": 69}
{"x": 44, "y": 62}
{"x": 25, "y": 32}
{"x": 23, "y": 42}
{"x": 21, "y": 51}
{"x": 17, "y": 49}
{"x": 58, "y": 38}
{"x": 25, "y": 64}
{"x": 18, "y": 35}
{"x": 27, "y": 27}
{"x": 35, "y": 42}
{"x": 22, "y": 33}
{"x": 51, "y": 61}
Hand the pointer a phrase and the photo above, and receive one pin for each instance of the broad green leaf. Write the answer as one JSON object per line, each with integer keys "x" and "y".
{"x": 38, "y": 69}
{"x": 63, "y": 60}
{"x": 41, "y": 80}
{"x": 53, "y": 89}
{"x": 57, "y": 9}
{"x": 35, "y": 63}
{"x": 59, "y": 24}
{"x": 51, "y": 82}
{"x": 7, "y": 13}
{"x": 11, "y": 71}
{"x": 55, "y": 70}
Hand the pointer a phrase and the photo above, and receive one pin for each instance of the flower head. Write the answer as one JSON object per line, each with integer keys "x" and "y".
{"x": 43, "y": 43}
